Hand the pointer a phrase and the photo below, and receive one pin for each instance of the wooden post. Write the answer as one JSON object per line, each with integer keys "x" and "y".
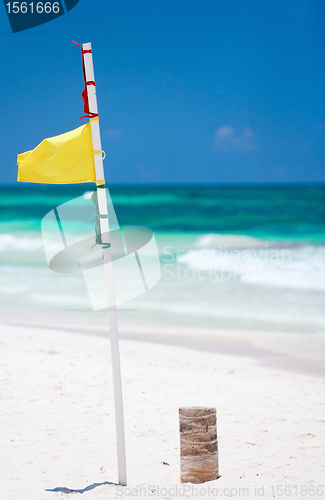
{"x": 199, "y": 444}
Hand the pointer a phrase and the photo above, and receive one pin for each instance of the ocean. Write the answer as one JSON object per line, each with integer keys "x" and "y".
{"x": 234, "y": 258}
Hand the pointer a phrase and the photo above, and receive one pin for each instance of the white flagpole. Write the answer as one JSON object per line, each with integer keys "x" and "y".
{"x": 104, "y": 227}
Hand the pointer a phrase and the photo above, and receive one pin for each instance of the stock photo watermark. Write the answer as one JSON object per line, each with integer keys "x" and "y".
{"x": 258, "y": 491}
{"x": 223, "y": 264}
{"x": 25, "y": 15}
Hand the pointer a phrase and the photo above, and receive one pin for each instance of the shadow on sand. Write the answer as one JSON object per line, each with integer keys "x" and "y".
{"x": 88, "y": 488}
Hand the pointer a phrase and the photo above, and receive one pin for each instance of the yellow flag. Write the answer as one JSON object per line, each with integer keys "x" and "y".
{"x": 64, "y": 159}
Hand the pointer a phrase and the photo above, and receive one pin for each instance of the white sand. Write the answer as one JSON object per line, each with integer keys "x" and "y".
{"x": 58, "y": 430}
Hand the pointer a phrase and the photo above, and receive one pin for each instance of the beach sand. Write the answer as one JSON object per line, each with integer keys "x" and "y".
{"x": 58, "y": 428}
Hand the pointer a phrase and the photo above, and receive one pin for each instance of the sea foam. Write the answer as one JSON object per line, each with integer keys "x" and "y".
{"x": 300, "y": 267}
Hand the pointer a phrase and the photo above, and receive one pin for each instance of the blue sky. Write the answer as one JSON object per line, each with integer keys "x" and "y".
{"x": 188, "y": 91}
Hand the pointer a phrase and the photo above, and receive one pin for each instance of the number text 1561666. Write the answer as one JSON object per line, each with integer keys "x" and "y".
{"x": 33, "y": 7}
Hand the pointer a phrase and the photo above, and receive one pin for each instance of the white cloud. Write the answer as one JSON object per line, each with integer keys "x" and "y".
{"x": 228, "y": 138}
{"x": 112, "y": 132}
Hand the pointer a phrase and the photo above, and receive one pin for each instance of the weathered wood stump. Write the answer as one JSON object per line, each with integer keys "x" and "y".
{"x": 199, "y": 444}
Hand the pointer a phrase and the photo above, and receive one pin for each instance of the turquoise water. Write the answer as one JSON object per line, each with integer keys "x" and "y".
{"x": 232, "y": 257}
{"x": 286, "y": 213}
